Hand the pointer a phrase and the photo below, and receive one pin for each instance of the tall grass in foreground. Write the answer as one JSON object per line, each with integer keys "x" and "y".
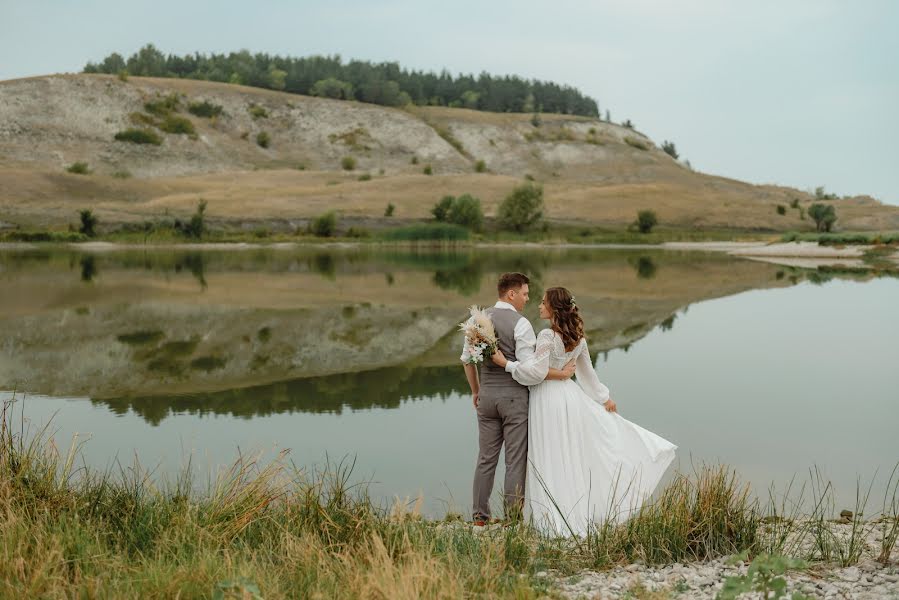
{"x": 278, "y": 531}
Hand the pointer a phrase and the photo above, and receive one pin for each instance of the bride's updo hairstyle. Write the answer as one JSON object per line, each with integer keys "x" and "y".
{"x": 565, "y": 318}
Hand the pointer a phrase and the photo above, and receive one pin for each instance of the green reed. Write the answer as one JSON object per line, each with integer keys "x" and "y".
{"x": 275, "y": 530}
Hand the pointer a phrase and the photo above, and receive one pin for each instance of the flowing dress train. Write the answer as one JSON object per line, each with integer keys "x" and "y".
{"x": 585, "y": 465}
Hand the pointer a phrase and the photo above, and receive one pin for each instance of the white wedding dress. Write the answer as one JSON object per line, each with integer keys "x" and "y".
{"x": 585, "y": 465}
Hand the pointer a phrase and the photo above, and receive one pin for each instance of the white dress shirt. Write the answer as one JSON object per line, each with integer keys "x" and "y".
{"x": 525, "y": 339}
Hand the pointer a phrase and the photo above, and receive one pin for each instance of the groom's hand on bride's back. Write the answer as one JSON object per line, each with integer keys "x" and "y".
{"x": 568, "y": 370}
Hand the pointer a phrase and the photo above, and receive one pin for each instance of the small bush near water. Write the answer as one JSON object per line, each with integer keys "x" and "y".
{"x": 464, "y": 210}
{"x": 646, "y": 220}
{"x": 522, "y": 209}
{"x": 88, "y": 223}
{"x": 324, "y": 225}
{"x": 271, "y": 529}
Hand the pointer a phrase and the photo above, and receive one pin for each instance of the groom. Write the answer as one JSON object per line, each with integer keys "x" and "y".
{"x": 502, "y": 403}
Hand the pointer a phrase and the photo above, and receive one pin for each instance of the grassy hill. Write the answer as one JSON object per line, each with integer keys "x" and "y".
{"x": 594, "y": 173}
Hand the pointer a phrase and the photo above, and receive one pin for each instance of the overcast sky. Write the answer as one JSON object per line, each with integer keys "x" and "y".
{"x": 795, "y": 92}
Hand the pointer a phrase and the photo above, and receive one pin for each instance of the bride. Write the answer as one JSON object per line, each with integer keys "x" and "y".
{"x": 586, "y": 463}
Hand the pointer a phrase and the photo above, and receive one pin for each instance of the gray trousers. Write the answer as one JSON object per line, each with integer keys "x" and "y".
{"x": 501, "y": 419}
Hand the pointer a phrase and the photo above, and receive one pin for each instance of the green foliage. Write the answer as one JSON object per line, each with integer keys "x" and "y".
{"x": 820, "y": 194}
{"x": 428, "y": 170}
{"x": 196, "y": 227}
{"x": 464, "y": 210}
{"x": 257, "y": 112}
{"x": 669, "y": 149}
{"x": 388, "y": 212}
{"x": 765, "y": 575}
{"x": 348, "y": 163}
{"x": 794, "y": 203}
{"x": 436, "y": 232}
{"x": 536, "y": 121}
{"x": 332, "y": 88}
{"x": 122, "y": 174}
{"x": 824, "y": 215}
{"x": 364, "y": 177}
{"x": 646, "y": 220}
{"x": 164, "y": 106}
{"x": 325, "y": 225}
{"x": 79, "y": 168}
{"x": 442, "y": 208}
{"x": 414, "y": 160}
{"x": 628, "y": 124}
{"x": 781, "y": 209}
{"x": 448, "y": 136}
{"x": 139, "y": 136}
{"x": 178, "y": 125}
{"x": 636, "y": 143}
{"x": 522, "y": 209}
{"x": 88, "y": 223}
{"x": 205, "y": 109}
{"x": 384, "y": 83}
{"x": 263, "y": 139}
{"x": 123, "y": 75}
{"x": 480, "y": 166}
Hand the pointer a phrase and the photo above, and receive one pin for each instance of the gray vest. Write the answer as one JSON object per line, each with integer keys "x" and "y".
{"x": 495, "y": 381}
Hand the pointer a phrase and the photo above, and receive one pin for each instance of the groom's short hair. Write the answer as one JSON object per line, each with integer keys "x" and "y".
{"x": 510, "y": 281}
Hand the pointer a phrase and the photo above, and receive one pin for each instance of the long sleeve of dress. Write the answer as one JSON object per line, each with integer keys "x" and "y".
{"x": 587, "y": 378}
{"x": 534, "y": 369}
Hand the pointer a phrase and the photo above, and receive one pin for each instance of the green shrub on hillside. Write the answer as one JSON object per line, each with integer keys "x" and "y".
{"x": 522, "y": 208}
{"x": 669, "y": 149}
{"x": 388, "y": 212}
{"x": 139, "y": 136}
{"x": 263, "y": 139}
{"x": 428, "y": 170}
{"x": 348, "y": 163}
{"x": 257, "y": 111}
{"x": 781, "y": 209}
{"x": 177, "y": 125}
{"x": 161, "y": 107}
{"x": 79, "y": 168}
{"x": 480, "y": 166}
{"x": 205, "y": 109}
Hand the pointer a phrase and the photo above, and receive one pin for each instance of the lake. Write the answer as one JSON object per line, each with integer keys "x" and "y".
{"x": 352, "y": 354}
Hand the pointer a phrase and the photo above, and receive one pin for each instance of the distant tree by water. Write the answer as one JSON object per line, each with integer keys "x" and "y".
{"x": 384, "y": 83}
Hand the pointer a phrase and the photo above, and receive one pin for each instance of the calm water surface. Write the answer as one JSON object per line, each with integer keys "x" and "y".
{"x": 768, "y": 369}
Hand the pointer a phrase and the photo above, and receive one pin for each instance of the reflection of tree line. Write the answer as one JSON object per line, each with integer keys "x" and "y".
{"x": 459, "y": 270}
{"x": 380, "y": 388}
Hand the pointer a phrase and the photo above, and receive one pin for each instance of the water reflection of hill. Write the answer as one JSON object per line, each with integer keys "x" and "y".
{"x": 380, "y": 388}
{"x": 143, "y": 322}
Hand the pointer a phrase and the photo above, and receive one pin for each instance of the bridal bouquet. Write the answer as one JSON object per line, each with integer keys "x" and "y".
{"x": 480, "y": 336}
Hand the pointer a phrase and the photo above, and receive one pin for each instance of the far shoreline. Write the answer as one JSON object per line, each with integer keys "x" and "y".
{"x": 752, "y": 249}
